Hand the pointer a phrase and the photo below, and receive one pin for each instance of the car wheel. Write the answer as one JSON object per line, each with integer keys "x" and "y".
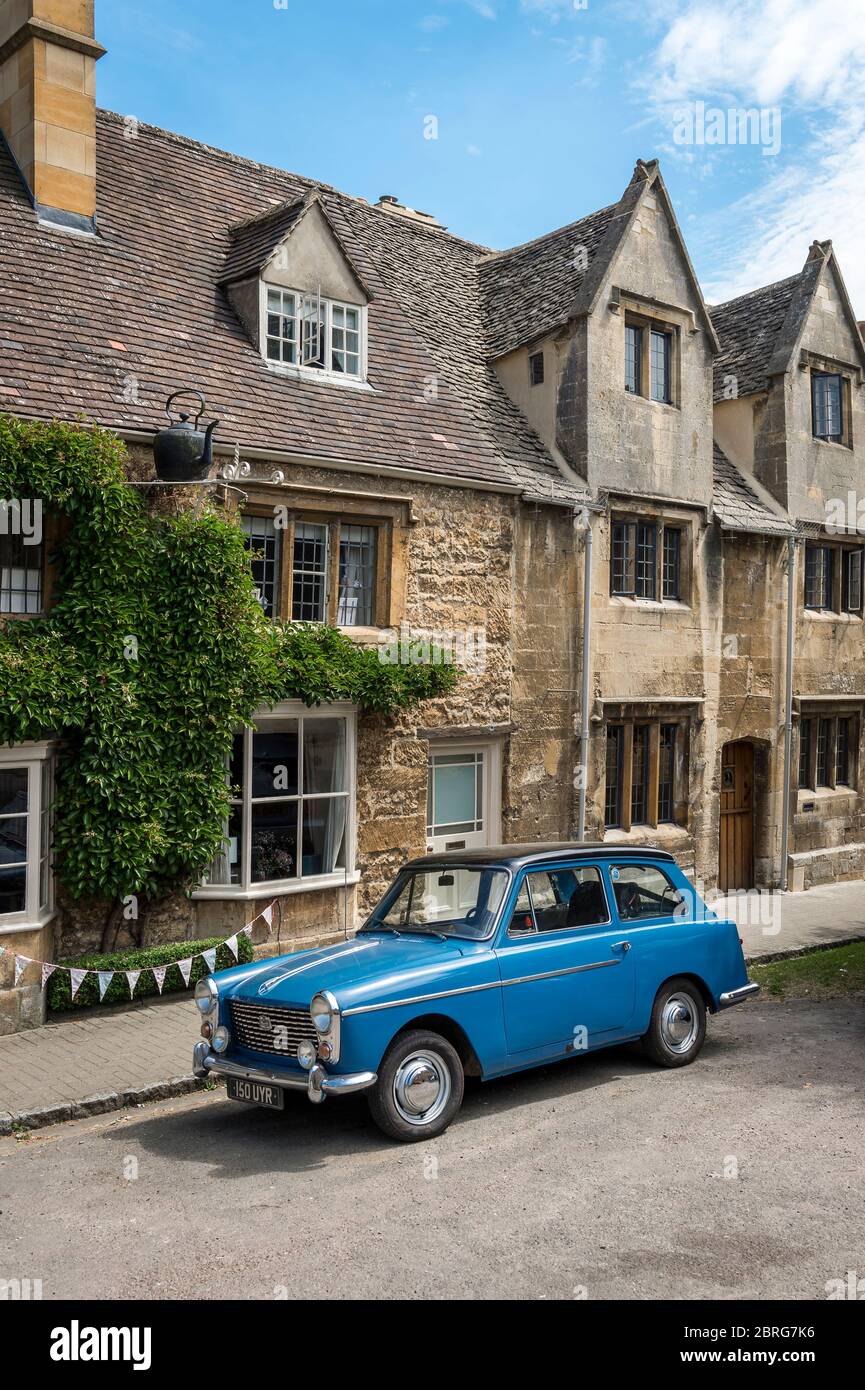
{"x": 677, "y": 1028}
{"x": 419, "y": 1088}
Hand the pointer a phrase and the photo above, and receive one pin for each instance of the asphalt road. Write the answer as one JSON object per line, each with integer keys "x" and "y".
{"x": 740, "y": 1176}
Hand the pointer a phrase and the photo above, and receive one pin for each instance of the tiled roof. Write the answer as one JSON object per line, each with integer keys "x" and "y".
{"x": 737, "y": 505}
{"x": 105, "y": 328}
{"x": 533, "y": 288}
{"x": 254, "y": 241}
{"x": 749, "y": 328}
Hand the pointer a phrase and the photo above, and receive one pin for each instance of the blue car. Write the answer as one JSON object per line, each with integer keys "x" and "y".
{"x": 478, "y": 964}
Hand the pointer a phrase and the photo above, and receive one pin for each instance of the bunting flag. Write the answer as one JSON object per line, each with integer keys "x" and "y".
{"x": 77, "y": 977}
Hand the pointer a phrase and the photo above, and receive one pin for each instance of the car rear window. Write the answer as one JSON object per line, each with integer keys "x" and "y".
{"x": 643, "y": 890}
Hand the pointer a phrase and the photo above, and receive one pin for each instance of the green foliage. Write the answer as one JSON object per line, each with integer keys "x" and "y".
{"x": 147, "y": 723}
{"x": 60, "y": 984}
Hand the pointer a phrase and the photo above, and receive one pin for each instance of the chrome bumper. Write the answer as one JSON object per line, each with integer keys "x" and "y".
{"x": 735, "y": 996}
{"x": 317, "y": 1083}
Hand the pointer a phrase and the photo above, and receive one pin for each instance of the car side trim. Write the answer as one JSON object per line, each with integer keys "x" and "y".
{"x": 475, "y": 989}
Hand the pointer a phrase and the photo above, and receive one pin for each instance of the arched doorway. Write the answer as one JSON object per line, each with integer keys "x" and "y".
{"x": 736, "y": 852}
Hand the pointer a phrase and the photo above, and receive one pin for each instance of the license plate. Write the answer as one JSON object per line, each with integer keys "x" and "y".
{"x": 255, "y": 1093}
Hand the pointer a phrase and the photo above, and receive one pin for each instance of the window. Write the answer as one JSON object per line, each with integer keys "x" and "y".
{"x": 536, "y": 369}
{"x": 833, "y": 578}
{"x": 21, "y": 580}
{"x": 660, "y": 363}
{"x": 640, "y": 776}
{"x": 666, "y": 773}
{"x": 672, "y": 563}
{"x": 645, "y": 774}
{"x": 357, "y": 570}
{"x": 643, "y": 890}
{"x": 559, "y": 899}
{"x": 263, "y": 544}
{"x": 818, "y": 576}
{"x": 455, "y": 901}
{"x": 851, "y": 581}
{"x": 613, "y": 789}
{"x": 823, "y": 736}
{"x": 805, "y": 753}
{"x": 645, "y": 559}
{"x": 304, "y": 330}
{"x": 827, "y": 406}
{"x": 291, "y": 780}
{"x": 633, "y": 358}
{"x": 309, "y": 572}
{"x": 26, "y": 802}
{"x": 827, "y": 751}
{"x": 651, "y": 363}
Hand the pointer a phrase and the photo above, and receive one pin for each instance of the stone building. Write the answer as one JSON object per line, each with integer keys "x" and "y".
{"x": 436, "y": 440}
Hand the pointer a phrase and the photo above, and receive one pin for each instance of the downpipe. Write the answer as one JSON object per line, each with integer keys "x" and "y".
{"x": 586, "y": 676}
{"x": 788, "y": 707}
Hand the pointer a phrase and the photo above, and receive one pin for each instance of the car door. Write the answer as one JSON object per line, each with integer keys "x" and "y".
{"x": 567, "y": 976}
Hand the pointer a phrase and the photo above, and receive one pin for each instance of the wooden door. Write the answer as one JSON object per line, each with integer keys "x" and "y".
{"x": 736, "y": 858}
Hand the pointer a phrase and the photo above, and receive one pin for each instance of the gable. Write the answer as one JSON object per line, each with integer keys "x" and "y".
{"x": 828, "y": 330}
{"x": 310, "y": 257}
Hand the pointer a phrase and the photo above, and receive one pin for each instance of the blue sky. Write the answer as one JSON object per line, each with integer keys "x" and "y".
{"x": 542, "y": 107}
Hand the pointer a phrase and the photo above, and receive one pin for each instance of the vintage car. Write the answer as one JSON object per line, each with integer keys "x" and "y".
{"x": 478, "y": 964}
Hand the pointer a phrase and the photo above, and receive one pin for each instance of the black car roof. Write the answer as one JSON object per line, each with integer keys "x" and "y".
{"x": 515, "y": 856}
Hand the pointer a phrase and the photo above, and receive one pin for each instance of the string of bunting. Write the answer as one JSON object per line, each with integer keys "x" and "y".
{"x": 77, "y": 977}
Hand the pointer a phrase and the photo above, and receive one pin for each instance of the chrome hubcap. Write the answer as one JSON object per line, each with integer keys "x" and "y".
{"x": 421, "y": 1087}
{"x": 680, "y": 1022}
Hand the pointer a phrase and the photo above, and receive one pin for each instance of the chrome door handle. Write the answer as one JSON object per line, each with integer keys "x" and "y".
{"x": 621, "y": 946}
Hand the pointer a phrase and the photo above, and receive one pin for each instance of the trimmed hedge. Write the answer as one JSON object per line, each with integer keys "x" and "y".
{"x": 60, "y": 983}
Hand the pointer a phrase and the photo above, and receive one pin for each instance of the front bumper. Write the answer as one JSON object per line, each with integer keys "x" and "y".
{"x": 317, "y": 1083}
{"x": 736, "y": 996}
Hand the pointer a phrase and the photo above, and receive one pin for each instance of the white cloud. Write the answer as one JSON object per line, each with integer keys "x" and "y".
{"x": 431, "y": 22}
{"x": 806, "y": 57}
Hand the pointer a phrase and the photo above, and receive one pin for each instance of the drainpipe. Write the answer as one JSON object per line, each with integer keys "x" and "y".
{"x": 788, "y": 705}
{"x": 584, "y": 707}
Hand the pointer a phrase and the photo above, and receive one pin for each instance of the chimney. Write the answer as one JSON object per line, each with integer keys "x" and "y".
{"x": 388, "y": 203}
{"x": 48, "y": 57}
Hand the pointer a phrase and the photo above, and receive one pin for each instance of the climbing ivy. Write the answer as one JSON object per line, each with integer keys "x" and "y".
{"x": 154, "y": 652}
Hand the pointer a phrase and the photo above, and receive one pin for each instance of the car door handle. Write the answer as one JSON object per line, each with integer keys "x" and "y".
{"x": 621, "y": 946}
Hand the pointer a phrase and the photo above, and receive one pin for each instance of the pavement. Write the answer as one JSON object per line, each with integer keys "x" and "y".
{"x": 739, "y": 1177}
{"x": 105, "y": 1059}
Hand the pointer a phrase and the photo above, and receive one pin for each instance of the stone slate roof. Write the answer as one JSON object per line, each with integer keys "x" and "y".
{"x": 737, "y": 505}
{"x": 532, "y": 289}
{"x": 106, "y": 328}
{"x": 254, "y": 241}
{"x": 749, "y": 328}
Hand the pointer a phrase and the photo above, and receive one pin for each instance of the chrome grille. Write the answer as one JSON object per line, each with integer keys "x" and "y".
{"x": 269, "y": 1027}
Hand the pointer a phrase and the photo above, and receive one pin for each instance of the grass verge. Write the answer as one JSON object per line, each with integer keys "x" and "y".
{"x": 838, "y": 973}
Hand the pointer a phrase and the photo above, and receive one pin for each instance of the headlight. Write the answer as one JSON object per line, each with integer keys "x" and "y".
{"x": 306, "y": 1055}
{"x": 321, "y": 1012}
{"x": 206, "y": 995}
{"x": 221, "y": 1039}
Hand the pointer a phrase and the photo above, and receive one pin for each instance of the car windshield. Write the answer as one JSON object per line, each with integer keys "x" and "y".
{"x": 450, "y": 901}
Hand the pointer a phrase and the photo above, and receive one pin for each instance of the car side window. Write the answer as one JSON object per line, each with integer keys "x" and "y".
{"x": 522, "y": 920}
{"x": 643, "y": 890}
{"x": 558, "y": 899}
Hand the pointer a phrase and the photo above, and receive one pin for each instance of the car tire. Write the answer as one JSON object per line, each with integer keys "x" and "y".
{"x": 677, "y": 1029}
{"x": 419, "y": 1088}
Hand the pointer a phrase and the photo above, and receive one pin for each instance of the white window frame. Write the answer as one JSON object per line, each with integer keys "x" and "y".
{"x": 246, "y": 890}
{"x": 32, "y": 757}
{"x": 326, "y": 372}
{"x": 491, "y": 749}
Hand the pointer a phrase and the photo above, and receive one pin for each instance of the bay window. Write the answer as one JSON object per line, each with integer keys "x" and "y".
{"x": 26, "y": 801}
{"x": 292, "y": 801}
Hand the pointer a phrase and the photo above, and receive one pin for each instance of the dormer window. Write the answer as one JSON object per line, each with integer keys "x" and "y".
{"x": 308, "y": 331}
